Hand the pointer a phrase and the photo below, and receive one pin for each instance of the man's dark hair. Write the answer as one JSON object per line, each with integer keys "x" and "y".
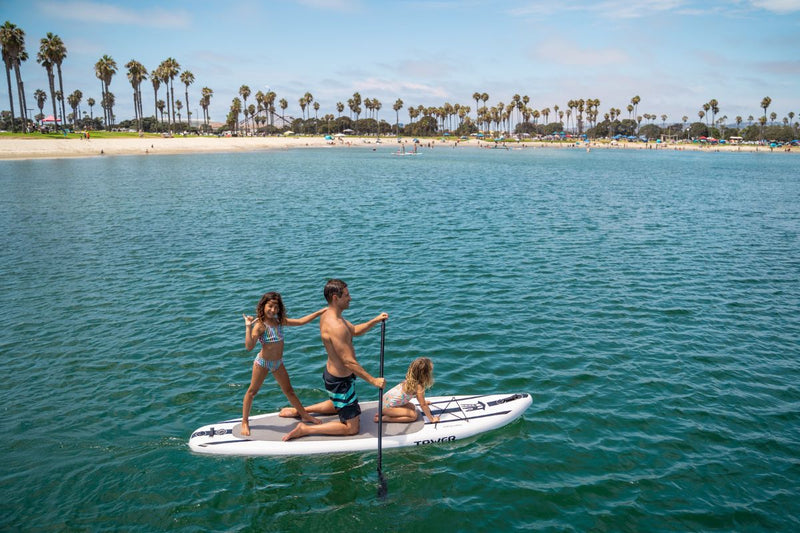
{"x": 334, "y": 287}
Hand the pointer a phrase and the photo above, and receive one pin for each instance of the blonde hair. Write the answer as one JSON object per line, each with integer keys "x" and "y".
{"x": 420, "y": 374}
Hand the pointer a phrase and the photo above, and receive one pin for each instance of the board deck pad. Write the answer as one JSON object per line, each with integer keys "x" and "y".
{"x": 273, "y": 427}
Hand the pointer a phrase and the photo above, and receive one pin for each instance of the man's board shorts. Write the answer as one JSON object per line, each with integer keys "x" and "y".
{"x": 342, "y": 392}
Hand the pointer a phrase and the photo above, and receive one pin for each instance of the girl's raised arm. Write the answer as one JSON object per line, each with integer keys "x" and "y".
{"x": 306, "y": 319}
{"x": 251, "y": 332}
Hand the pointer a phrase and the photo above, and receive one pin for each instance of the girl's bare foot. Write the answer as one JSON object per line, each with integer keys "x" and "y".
{"x": 289, "y": 412}
{"x": 311, "y": 420}
{"x": 245, "y": 429}
{"x": 299, "y": 431}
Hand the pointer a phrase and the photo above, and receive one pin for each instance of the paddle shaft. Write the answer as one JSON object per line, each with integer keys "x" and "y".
{"x": 382, "y": 487}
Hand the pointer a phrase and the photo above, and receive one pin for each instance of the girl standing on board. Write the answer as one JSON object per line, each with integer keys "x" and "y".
{"x": 397, "y": 406}
{"x": 267, "y": 328}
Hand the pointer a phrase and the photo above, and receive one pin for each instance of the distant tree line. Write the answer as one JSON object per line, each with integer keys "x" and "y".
{"x": 263, "y": 113}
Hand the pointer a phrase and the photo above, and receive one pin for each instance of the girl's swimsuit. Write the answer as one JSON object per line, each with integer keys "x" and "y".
{"x": 272, "y": 364}
{"x": 271, "y": 335}
{"x": 397, "y": 396}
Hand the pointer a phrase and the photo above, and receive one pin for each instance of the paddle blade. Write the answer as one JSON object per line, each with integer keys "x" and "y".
{"x": 383, "y": 488}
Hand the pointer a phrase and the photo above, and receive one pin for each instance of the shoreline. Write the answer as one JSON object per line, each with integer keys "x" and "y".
{"x": 48, "y": 148}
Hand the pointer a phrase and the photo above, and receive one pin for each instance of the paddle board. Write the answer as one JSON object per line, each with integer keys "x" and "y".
{"x": 459, "y": 417}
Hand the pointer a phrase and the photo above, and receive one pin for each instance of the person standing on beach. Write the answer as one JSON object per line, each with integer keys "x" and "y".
{"x": 267, "y": 328}
{"x": 341, "y": 368}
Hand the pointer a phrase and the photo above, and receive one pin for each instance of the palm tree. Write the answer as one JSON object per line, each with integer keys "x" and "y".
{"x": 74, "y": 100}
{"x": 302, "y": 102}
{"x": 376, "y": 105}
{"x": 169, "y": 68}
{"x": 179, "y": 106}
{"x": 187, "y": 78}
{"x": 635, "y": 102}
{"x": 90, "y": 102}
{"x": 205, "y": 101}
{"x": 108, "y": 106}
{"x": 105, "y": 69}
{"x": 136, "y": 74}
{"x": 714, "y": 106}
{"x": 244, "y": 92}
{"x": 41, "y": 98}
{"x": 269, "y": 101}
{"x": 283, "y": 105}
{"x": 339, "y": 108}
{"x": 398, "y": 105}
{"x": 684, "y": 118}
{"x": 765, "y": 103}
{"x": 236, "y": 108}
{"x": 476, "y": 96}
{"x": 309, "y": 100}
{"x": 356, "y": 107}
{"x": 155, "y": 79}
{"x": 43, "y": 58}
{"x": 52, "y": 47}
{"x": 13, "y": 43}
{"x": 160, "y": 105}
{"x": 260, "y": 106}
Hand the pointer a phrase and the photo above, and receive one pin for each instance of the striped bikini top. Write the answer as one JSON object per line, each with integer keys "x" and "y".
{"x": 271, "y": 334}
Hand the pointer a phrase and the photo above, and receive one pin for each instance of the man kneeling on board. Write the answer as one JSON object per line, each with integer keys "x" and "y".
{"x": 341, "y": 368}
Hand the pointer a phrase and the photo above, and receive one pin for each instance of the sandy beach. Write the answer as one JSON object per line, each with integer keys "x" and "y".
{"x": 41, "y": 148}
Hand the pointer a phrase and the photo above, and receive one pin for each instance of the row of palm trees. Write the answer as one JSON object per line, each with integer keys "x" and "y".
{"x": 499, "y": 117}
{"x": 51, "y": 55}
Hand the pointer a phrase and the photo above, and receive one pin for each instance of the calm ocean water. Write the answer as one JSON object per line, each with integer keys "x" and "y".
{"x": 648, "y": 301}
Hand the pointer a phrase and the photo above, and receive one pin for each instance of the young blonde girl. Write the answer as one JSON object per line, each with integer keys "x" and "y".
{"x": 267, "y": 328}
{"x": 397, "y": 406}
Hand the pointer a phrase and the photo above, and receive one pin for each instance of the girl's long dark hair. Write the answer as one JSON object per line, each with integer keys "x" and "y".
{"x": 280, "y": 316}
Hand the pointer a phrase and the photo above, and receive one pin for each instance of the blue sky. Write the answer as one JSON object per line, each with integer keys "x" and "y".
{"x": 675, "y": 54}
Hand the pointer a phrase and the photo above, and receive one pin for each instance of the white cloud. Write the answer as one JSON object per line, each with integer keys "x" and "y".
{"x": 399, "y": 88}
{"x": 347, "y": 6}
{"x": 612, "y": 9}
{"x": 778, "y": 6}
{"x": 95, "y": 12}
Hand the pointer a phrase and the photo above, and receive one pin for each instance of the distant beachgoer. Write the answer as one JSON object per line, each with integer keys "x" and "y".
{"x": 341, "y": 368}
{"x": 397, "y": 406}
{"x": 267, "y": 328}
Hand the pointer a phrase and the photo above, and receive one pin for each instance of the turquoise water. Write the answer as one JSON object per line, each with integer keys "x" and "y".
{"x": 648, "y": 301}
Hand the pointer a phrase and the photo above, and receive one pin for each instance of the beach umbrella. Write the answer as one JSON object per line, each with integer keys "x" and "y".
{"x": 339, "y": 135}
{"x": 328, "y": 138}
{"x": 290, "y": 132}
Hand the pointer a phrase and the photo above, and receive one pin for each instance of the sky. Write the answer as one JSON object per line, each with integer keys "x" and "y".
{"x": 675, "y": 55}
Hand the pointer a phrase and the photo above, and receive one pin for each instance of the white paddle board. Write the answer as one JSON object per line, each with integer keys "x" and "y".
{"x": 459, "y": 417}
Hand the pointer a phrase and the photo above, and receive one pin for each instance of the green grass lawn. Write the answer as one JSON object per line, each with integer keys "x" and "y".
{"x": 92, "y": 135}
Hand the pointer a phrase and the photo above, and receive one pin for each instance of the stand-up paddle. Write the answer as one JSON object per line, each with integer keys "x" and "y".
{"x": 383, "y": 489}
